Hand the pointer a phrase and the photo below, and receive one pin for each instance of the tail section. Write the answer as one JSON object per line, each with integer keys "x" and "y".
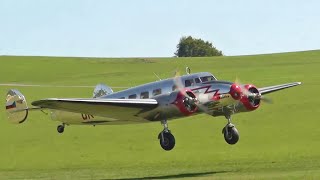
{"x": 16, "y": 106}
{"x": 101, "y": 90}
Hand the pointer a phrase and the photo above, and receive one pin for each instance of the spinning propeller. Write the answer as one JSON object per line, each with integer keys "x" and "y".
{"x": 249, "y": 94}
{"x": 190, "y": 100}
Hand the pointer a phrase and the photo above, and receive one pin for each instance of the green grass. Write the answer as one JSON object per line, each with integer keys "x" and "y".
{"x": 278, "y": 141}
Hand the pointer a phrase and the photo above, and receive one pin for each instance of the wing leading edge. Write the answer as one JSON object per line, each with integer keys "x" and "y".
{"x": 121, "y": 109}
{"x": 270, "y": 89}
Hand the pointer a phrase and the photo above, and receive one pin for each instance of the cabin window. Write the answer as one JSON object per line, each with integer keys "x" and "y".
{"x": 174, "y": 87}
{"x": 156, "y": 92}
{"x": 144, "y": 95}
{"x": 188, "y": 82}
{"x": 197, "y": 80}
{"x": 207, "y": 78}
{"x": 122, "y": 98}
{"x": 133, "y": 96}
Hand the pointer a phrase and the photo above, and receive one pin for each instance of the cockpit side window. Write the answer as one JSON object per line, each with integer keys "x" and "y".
{"x": 188, "y": 82}
{"x": 207, "y": 78}
{"x": 197, "y": 80}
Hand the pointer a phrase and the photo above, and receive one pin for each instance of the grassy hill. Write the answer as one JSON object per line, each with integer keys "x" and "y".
{"x": 278, "y": 141}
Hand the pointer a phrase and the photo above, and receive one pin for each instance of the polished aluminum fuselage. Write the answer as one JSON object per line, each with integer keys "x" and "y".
{"x": 205, "y": 92}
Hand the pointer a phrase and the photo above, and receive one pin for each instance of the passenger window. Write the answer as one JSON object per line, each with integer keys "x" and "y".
{"x": 156, "y": 92}
{"x": 144, "y": 95}
{"x": 197, "y": 80}
{"x": 133, "y": 96}
{"x": 188, "y": 82}
{"x": 122, "y": 98}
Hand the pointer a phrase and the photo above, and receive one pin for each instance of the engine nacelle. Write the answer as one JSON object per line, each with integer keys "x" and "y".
{"x": 251, "y": 101}
{"x": 175, "y": 104}
{"x": 185, "y": 101}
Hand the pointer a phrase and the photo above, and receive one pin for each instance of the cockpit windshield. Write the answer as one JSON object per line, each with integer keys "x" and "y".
{"x": 207, "y": 78}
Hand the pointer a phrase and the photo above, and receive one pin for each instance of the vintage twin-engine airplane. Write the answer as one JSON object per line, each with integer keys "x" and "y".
{"x": 162, "y": 100}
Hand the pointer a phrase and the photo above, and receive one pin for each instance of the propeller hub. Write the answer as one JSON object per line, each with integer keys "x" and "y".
{"x": 251, "y": 100}
{"x": 186, "y": 102}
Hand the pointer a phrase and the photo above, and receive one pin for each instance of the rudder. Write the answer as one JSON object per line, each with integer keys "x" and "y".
{"x": 101, "y": 90}
{"x": 16, "y": 106}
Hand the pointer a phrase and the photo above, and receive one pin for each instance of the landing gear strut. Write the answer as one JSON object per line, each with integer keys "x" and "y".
{"x": 167, "y": 140}
{"x": 231, "y": 134}
{"x": 60, "y": 128}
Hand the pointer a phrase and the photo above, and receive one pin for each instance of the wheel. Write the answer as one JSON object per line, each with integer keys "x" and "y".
{"x": 60, "y": 129}
{"x": 232, "y": 137}
{"x": 168, "y": 141}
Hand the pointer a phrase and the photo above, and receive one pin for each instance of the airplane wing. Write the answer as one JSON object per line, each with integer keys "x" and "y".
{"x": 112, "y": 108}
{"x": 270, "y": 89}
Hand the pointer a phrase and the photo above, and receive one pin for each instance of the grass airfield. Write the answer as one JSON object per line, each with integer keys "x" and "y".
{"x": 278, "y": 141}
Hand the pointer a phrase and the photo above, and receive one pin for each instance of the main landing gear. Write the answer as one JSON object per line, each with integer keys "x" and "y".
{"x": 231, "y": 134}
{"x": 60, "y": 128}
{"x": 167, "y": 140}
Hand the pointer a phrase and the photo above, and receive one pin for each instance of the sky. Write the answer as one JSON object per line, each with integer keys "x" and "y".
{"x": 152, "y": 28}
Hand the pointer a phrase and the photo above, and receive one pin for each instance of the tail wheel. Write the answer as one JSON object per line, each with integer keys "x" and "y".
{"x": 231, "y": 135}
{"x": 60, "y": 128}
{"x": 168, "y": 142}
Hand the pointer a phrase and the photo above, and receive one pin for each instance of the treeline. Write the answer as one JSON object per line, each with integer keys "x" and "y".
{"x": 192, "y": 47}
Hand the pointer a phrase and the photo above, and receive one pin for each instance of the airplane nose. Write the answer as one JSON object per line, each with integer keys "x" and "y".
{"x": 235, "y": 91}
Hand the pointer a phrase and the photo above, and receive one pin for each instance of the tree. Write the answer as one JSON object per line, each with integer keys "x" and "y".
{"x": 192, "y": 47}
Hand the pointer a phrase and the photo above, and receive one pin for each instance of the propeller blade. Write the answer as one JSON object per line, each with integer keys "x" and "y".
{"x": 244, "y": 91}
{"x": 266, "y": 100}
{"x": 237, "y": 81}
{"x": 202, "y": 98}
{"x": 180, "y": 87}
{"x": 247, "y": 93}
{"x": 178, "y": 83}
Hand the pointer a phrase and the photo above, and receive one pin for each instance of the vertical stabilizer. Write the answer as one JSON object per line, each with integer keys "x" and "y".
{"x": 16, "y": 106}
{"x": 101, "y": 90}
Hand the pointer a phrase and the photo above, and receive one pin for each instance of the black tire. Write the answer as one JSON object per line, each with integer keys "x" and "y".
{"x": 233, "y": 135}
{"x": 168, "y": 141}
{"x": 60, "y": 129}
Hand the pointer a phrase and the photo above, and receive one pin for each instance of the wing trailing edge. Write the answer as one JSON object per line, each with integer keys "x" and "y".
{"x": 112, "y": 108}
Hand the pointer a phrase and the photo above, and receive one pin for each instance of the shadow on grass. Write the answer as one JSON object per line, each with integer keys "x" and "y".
{"x": 184, "y": 175}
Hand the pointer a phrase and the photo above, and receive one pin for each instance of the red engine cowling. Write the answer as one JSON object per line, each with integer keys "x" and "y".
{"x": 248, "y": 95}
{"x": 235, "y": 91}
{"x": 185, "y": 102}
{"x": 249, "y": 101}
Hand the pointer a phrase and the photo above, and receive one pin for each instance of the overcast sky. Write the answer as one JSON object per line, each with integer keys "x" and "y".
{"x": 150, "y": 28}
